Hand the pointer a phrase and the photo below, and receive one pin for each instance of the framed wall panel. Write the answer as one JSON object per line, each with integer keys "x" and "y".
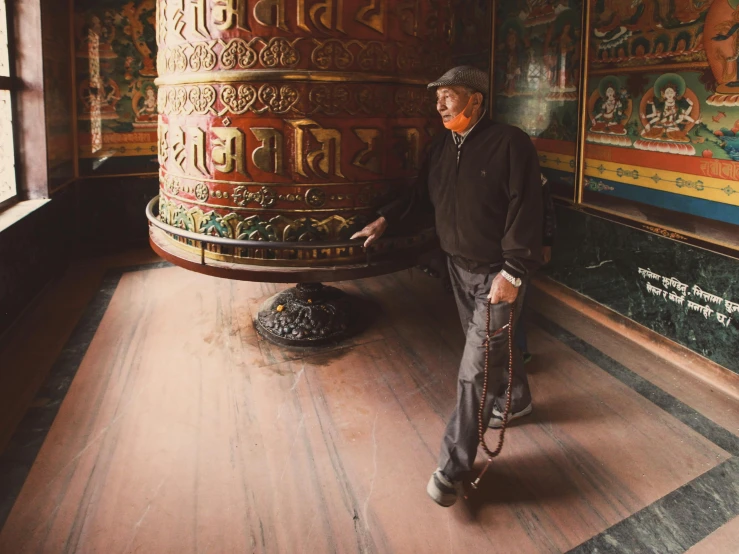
{"x": 115, "y": 52}
{"x": 661, "y": 128}
{"x": 644, "y": 127}
{"x": 536, "y": 79}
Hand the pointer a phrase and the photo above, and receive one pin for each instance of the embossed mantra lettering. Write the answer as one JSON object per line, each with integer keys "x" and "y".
{"x": 317, "y": 150}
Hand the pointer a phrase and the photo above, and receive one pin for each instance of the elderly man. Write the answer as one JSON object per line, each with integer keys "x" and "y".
{"x": 482, "y": 181}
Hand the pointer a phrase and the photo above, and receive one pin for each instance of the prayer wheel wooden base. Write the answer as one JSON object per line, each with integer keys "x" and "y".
{"x": 283, "y": 126}
{"x": 309, "y": 314}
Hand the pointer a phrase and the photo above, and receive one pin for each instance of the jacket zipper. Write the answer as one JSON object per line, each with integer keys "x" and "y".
{"x": 456, "y": 200}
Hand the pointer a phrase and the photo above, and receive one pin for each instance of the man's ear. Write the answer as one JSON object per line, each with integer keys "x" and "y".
{"x": 478, "y": 100}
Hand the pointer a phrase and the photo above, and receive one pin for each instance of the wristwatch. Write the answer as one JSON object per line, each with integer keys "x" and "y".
{"x": 515, "y": 281}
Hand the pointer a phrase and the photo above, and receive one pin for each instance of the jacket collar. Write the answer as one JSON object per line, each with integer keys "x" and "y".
{"x": 464, "y": 135}
{"x": 481, "y": 125}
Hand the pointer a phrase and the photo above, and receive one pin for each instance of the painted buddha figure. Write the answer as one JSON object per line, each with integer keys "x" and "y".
{"x": 609, "y": 111}
{"x": 668, "y": 118}
{"x": 145, "y": 107}
{"x": 668, "y": 112}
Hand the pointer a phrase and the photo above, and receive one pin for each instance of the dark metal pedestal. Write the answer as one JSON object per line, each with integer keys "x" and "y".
{"x": 309, "y": 314}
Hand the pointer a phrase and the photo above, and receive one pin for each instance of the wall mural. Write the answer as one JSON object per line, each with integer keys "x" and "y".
{"x": 116, "y": 95}
{"x": 664, "y": 105}
{"x": 470, "y": 33}
{"x": 536, "y": 65}
{"x": 662, "y": 98}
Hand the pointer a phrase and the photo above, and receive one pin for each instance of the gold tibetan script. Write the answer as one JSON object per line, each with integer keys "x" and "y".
{"x": 228, "y": 150}
{"x": 178, "y": 19}
{"x": 328, "y": 20}
{"x": 319, "y": 161}
{"x": 271, "y": 13}
{"x": 228, "y": 14}
{"x": 196, "y": 17}
{"x": 373, "y": 15}
{"x": 178, "y": 147}
{"x": 193, "y": 15}
{"x": 163, "y": 144}
{"x": 408, "y": 11}
{"x": 411, "y": 153}
{"x": 196, "y": 149}
{"x": 270, "y": 156}
{"x": 368, "y": 158}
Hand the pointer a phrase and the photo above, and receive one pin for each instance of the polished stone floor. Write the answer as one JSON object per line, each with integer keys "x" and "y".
{"x": 166, "y": 424}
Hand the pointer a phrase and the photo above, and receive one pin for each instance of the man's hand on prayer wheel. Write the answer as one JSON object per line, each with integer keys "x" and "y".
{"x": 546, "y": 254}
{"x": 502, "y": 291}
{"x": 372, "y": 231}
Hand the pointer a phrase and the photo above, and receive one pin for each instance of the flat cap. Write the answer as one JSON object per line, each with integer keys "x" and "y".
{"x": 464, "y": 75}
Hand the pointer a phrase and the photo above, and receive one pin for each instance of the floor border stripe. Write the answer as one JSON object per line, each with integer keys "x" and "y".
{"x": 690, "y": 513}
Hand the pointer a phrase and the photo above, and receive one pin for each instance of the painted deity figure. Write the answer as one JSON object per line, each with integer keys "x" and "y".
{"x": 145, "y": 106}
{"x": 668, "y": 117}
{"x": 727, "y": 31}
{"x": 513, "y": 62}
{"x": 149, "y": 103}
{"x": 563, "y": 61}
{"x": 608, "y": 113}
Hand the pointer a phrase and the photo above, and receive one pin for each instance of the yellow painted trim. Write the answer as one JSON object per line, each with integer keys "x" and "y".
{"x": 561, "y": 162}
{"x": 114, "y": 150}
{"x": 115, "y": 175}
{"x": 583, "y": 102}
{"x": 705, "y": 188}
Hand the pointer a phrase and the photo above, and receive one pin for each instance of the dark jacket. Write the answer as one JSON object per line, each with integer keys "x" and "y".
{"x": 487, "y": 203}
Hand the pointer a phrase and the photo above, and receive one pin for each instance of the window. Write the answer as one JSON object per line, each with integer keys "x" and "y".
{"x": 8, "y": 186}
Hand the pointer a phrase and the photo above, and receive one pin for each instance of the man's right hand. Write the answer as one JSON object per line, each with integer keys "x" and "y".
{"x": 373, "y": 231}
{"x": 546, "y": 254}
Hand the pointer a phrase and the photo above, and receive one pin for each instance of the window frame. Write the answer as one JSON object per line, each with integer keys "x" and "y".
{"x": 27, "y": 101}
{"x": 10, "y": 83}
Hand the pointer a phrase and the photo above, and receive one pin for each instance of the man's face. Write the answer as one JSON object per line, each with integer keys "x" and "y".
{"x": 451, "y": 101}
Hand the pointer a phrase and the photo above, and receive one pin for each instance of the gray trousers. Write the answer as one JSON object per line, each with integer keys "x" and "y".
{"x": 459, "y": 446}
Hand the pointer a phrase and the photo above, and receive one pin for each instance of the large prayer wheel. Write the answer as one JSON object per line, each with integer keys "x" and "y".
{"x": 284, "y": 124}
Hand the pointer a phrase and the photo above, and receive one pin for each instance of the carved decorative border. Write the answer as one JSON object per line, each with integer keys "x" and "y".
{"x": 280, "y": 53}
{"x": 325, "y": 98}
